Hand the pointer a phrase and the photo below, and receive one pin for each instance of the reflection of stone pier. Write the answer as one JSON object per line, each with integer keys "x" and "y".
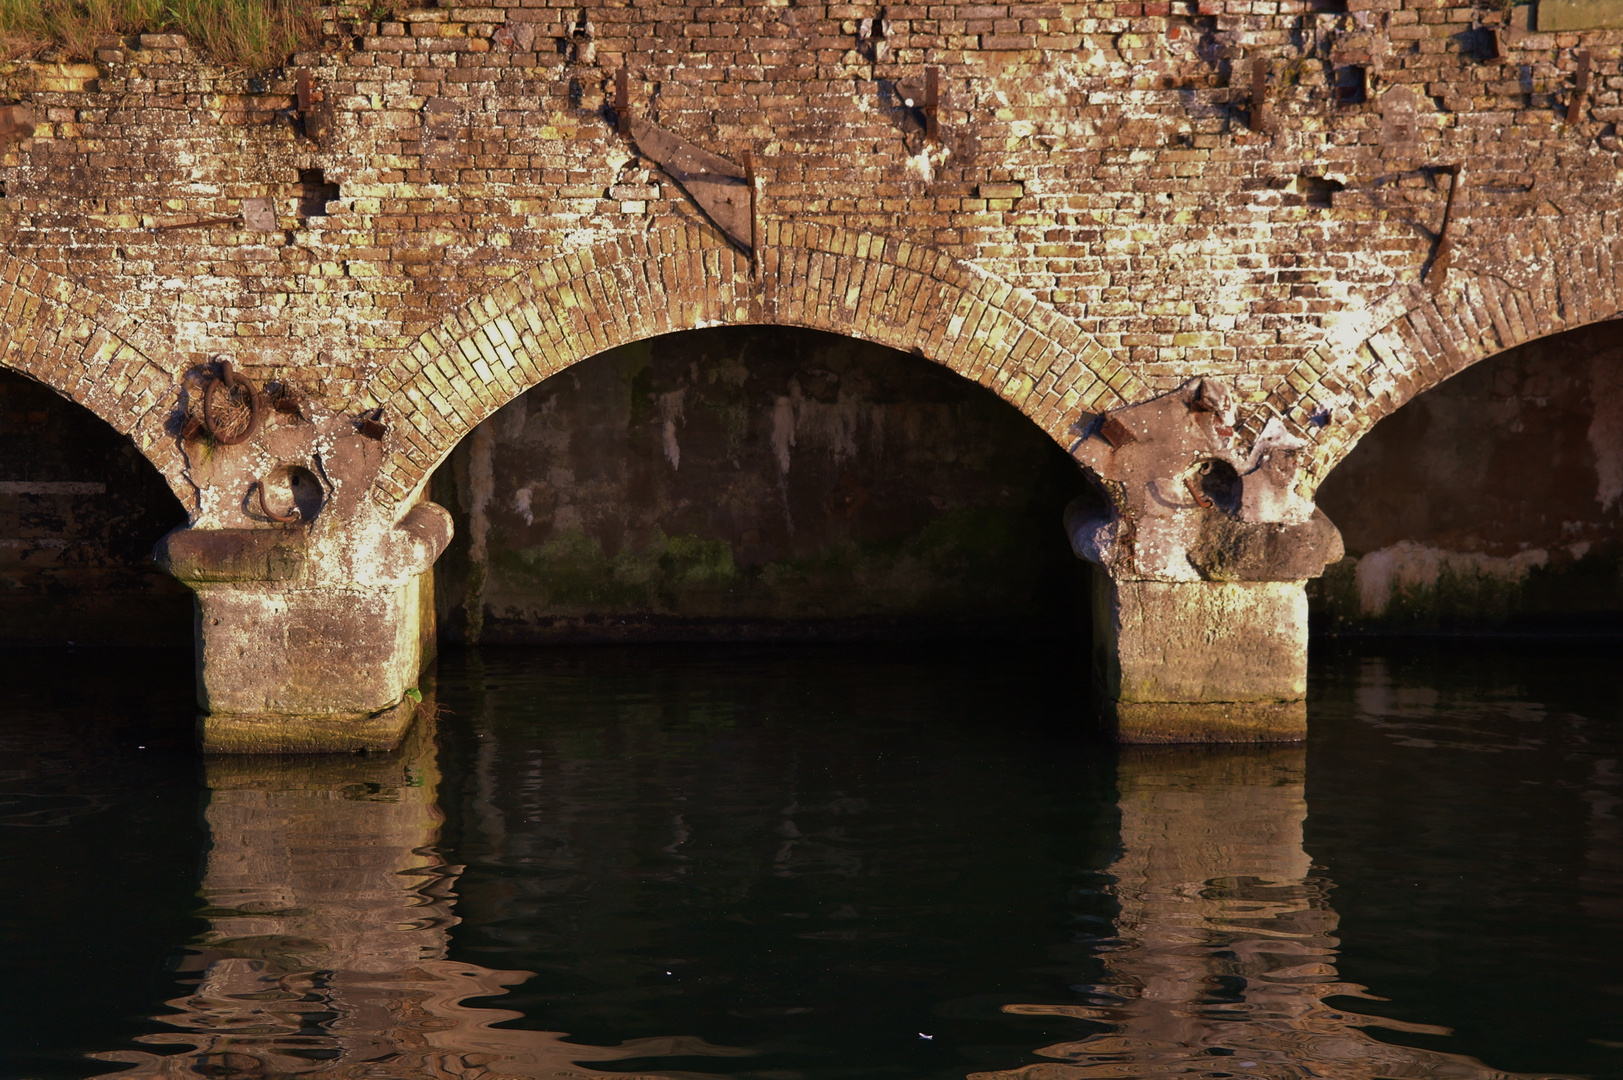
{"x": 1225, "y": 954}
{"x": 329, "y": 914}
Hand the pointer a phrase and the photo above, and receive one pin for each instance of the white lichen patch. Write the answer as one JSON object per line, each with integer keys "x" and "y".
{"x": 1407, "y": 567}
{"x": 1606, "y": 428}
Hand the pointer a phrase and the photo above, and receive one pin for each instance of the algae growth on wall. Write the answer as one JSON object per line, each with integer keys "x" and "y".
{"x": 1493, "y": 502}
{"x": 757, "y": 482}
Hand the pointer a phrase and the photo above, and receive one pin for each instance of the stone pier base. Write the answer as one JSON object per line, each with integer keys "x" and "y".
{"x": 1201, "y": 661}
{"x": 271, "y": 733}
{"x": 310, "y": 639}
{"x": 310, "y": 670}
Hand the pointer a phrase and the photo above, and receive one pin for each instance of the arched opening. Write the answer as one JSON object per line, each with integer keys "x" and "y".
{"x": 1492, "y": 502}
{"x": 757, "y": 482}
{"x": 80, "y": 510}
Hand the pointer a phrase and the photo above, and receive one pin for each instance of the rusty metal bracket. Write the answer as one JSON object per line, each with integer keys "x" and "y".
{"x": 1116, "y": 433}
{"x": 622, "y": 101}
{"x": 371, "y": 424}
{"x": 1438, "y": 272}
{"x": 1257, "y": 119}
{"x": 256, "y": 407}
{"x": 755, "y": 226}
{"x": 264, "y": 508}
{"x": 719, "y": 187}
{"x": 932, "y": 103}
{"x": 1580, "y": 89}
{"x": 314, "y": 118}
{"x": 258, "y": 215}
{"x": 206, "y": 223}
{"x": 1202, "y": 500}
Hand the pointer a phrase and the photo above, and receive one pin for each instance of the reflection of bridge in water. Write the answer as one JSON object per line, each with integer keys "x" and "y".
{"x": 1225, "y": 955}
{"x": 330, "y": 917}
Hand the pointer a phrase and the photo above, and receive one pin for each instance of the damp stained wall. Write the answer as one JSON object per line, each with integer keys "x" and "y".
{"x": 1494, "y": 501}
{"x": 80, "y": 510}
{"x": 757, "y": 482}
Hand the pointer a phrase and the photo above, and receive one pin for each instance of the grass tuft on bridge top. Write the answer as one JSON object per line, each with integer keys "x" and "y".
{"x": 250, "y": 34}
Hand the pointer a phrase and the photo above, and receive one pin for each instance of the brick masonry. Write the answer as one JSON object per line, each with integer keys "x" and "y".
{"x": 1099, "y": 218}
{"x": 891, "y": 292}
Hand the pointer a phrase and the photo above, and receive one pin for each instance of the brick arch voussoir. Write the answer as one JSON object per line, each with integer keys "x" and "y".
{"x": 1571, "y": 276}
{"x": 895, "y": 293}
{"x": 74, "y": 341}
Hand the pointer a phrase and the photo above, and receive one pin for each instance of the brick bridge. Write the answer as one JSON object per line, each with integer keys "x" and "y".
{"x": 1204, "y": 245}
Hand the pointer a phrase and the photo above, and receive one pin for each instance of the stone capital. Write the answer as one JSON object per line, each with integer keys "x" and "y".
{"x": 1181, "y": 501}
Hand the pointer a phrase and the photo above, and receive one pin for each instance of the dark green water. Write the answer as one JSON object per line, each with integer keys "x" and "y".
{"x": 816, "y": 864}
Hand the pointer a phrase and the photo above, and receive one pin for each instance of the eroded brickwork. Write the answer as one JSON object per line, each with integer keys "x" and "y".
{"x": 1104, "y": 212}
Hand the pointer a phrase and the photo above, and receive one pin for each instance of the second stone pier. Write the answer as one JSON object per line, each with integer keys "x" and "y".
{"x": 1202, "y": 553}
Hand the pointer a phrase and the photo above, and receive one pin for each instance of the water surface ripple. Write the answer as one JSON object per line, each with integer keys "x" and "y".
{"x": 794, "y": 863}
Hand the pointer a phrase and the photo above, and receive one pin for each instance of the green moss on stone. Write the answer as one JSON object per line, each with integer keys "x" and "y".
{"x": 1574, "y": 591}
{"x": 968, "y": 556}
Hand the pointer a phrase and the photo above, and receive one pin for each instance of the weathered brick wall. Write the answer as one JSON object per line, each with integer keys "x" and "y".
{"x": 1096, "y": 221}
{"x": 1494, "y": 501}
{"x": 757, "y": 482}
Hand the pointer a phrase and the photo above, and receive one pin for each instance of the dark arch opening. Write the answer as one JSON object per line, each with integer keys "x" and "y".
{"x": 1491, "y": 503}
{"x": 80, "y": 509}
{"x": 757, "y": 483}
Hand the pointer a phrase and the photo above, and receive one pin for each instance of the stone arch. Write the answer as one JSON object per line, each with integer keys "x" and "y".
{"x": 582, "y": 303}
{"x": 74, "y": 341}
{"x": 1562, "y": 272}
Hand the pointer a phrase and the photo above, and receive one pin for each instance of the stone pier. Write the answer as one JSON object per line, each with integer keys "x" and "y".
{"x": 315, "y": 606}
{"x": 1202, "y": 548}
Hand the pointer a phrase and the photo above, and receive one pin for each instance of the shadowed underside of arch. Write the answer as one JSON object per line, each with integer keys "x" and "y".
{"x": 889, "y": 291}
{"x": 95, "y": 355}
{"x": 1560, "y": 273}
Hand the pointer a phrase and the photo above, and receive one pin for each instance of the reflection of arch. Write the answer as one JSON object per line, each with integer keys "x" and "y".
{"x": 1557, "y": 273}
{"x": 66, "y": 336}
{"x": 893, "y": 292}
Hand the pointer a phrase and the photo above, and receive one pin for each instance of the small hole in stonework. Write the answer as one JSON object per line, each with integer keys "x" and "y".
{"x": 1313, "y": 191}
{"x": 292, "y": 492}
{"x": 1352, "y": 85}
{"x": 315, "y": 193}
{"x": 1220, "y": 483}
